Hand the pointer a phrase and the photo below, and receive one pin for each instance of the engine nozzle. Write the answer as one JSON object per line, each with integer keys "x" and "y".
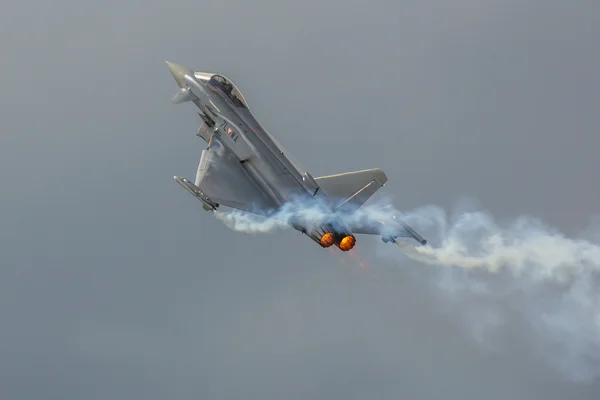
{"x": 347, "y": 243}
{"x": 327, "y": 240}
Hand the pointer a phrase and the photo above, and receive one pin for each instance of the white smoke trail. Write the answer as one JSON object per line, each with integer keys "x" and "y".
{"x": 476, "y": 241}
{"x": 555, "y": 278}
{"x": 249, "y": 223}
{"x": 312, "y": 215}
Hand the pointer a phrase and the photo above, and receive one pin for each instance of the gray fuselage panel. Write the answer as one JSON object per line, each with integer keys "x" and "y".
{"x": 253, "y": 146}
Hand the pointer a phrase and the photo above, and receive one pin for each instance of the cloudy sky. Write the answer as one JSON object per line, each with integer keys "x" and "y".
{"x": 114, "y": 284}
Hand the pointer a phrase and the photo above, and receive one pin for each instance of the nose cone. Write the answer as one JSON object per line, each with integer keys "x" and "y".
{"x": 178, "y": 72}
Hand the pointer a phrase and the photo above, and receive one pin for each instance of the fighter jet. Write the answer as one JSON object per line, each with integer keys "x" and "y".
{"x": 244, "y": 168}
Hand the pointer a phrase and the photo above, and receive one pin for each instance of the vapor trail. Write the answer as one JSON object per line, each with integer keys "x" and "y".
{"x": 555, "y": 278}
{"x": 524, "y": 247}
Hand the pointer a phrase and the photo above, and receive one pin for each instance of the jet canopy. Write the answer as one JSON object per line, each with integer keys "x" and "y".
{"x": 225, "y": 86}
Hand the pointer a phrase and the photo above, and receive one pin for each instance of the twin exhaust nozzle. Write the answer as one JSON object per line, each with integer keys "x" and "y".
{"x": 346, "y": 243}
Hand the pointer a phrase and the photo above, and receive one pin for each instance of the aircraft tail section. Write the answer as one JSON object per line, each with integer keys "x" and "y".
{"x": 352, "y": 189}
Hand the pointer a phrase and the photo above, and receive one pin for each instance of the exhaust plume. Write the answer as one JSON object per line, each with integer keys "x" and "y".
{"x": 552, "y": 280}
{"x": 555, "y": 279}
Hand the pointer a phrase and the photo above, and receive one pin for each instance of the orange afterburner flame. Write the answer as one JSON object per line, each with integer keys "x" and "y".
{"x": 327, "y": 239}
{"x": 347, "y": 243}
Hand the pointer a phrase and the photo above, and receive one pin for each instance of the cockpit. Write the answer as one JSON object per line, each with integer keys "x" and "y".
{"x": 224, "y": 86}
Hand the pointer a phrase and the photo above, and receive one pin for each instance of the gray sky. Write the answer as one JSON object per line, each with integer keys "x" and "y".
{"x": 115, "y": 284}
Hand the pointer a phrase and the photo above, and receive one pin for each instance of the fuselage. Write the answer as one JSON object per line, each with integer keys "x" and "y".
{"x": 228, "y": 120}
{"x": 244, "y": 136}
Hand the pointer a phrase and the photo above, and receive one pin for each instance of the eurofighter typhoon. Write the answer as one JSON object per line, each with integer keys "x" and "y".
{"x": 244, "y": 168}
